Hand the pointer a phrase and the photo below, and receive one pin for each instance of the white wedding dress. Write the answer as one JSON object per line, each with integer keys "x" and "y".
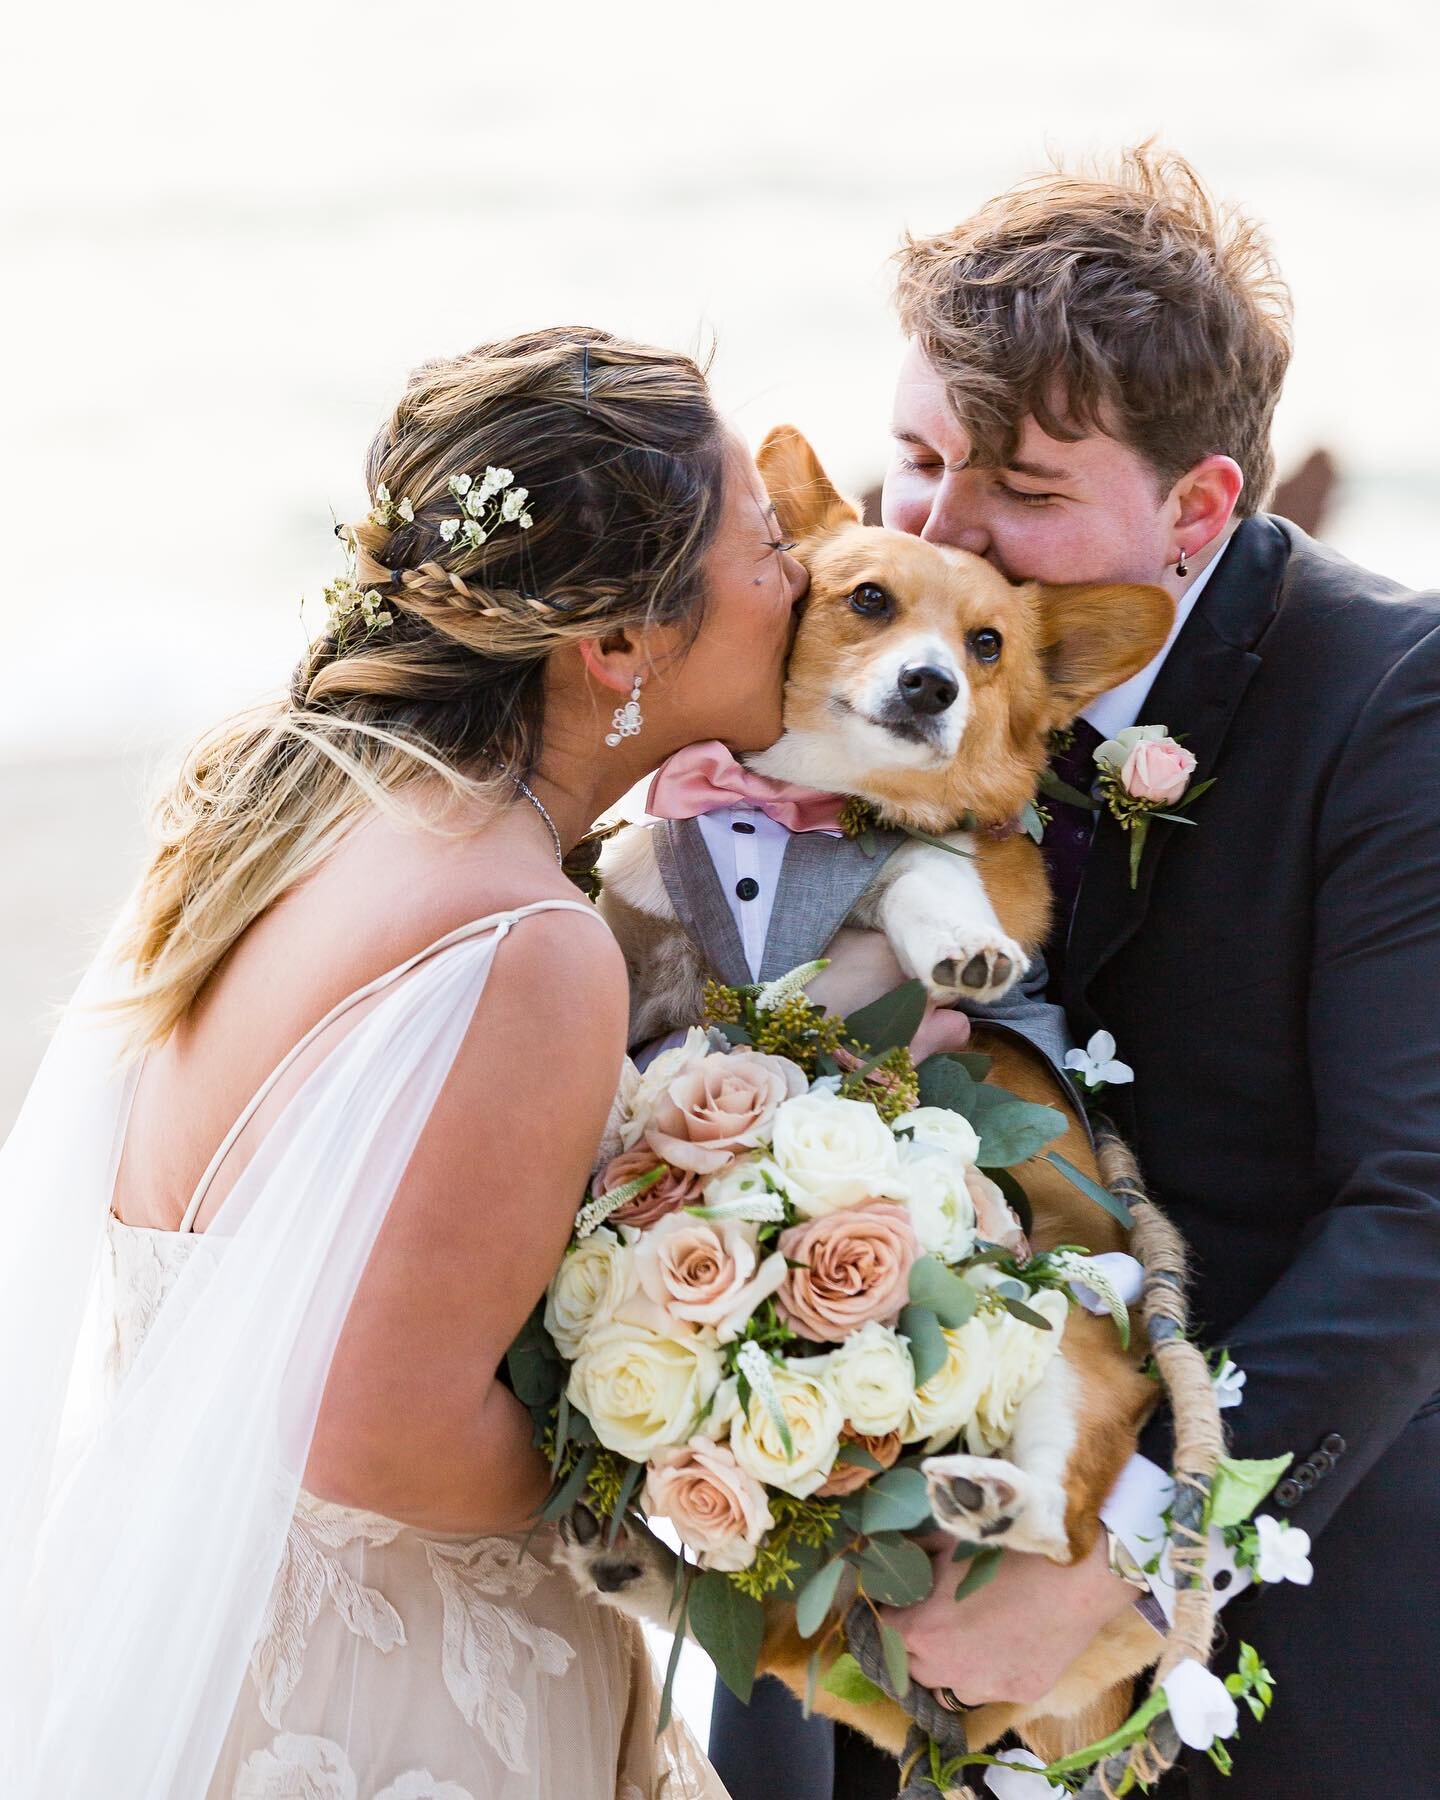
{"x": 185, "y": 1620}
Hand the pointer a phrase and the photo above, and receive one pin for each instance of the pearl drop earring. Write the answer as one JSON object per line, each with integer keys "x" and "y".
{"x": 627, "y": 719}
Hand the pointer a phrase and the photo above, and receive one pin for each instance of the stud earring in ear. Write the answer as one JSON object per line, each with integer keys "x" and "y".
{"x": 627, "y": 719}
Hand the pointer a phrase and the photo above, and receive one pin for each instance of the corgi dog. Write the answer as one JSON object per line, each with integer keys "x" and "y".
{"x": 925, "y": 683}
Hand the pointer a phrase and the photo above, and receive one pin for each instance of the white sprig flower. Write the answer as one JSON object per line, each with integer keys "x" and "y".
{"x": 459, "y": 486}
{"x": 1229, "y": 1384}
{"x": 475, "y": 501}
{"x": 1096, "y": 1065}
{"x": 1018, "y": 1780}
{"x": 448, "y": 528}
{"x": 1284, "y": 1552}
{"x": 1201, "y": 1708}
{"x": 406, "y": 510}
{"x": 754, "y": 1365}
{"x": 513, "y": 504}
{"x": 473, "y": 534}
{"x": 784, "y": 986}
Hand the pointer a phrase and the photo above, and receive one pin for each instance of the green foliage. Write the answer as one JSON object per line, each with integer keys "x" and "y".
{"x": 928, "y": 1349}
{"x": 1239, "y": 1487}
{"x": 893, "y": 1570}
{"x": 896, "y": 1501}
{"x": 730, "y": 1627}
{"x": 948, "y": 1296}
{"x": 846, "y": 1679}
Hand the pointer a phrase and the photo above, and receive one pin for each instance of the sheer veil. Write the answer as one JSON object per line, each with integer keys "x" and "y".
{"x": 139, "y": 1540}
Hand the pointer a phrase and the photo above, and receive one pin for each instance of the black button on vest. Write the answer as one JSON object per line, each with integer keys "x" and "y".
{"x": 747, "y": 889}
{"x": 744, "y": 826}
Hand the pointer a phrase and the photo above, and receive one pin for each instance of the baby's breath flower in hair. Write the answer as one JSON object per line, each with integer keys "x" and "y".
{"x": 386, "y": 511}
{"x": 482, "y": 511}
{"x": 344, "y": 597}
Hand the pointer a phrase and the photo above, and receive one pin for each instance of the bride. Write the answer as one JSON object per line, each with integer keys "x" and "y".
{"x": 309, "y": 1143}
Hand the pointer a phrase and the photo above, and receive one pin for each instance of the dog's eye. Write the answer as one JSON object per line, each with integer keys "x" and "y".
{"x": 869, "y": 601}
{"x": 987, "y": 644}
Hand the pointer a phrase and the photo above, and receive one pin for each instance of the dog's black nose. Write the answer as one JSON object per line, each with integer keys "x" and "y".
{"x": 926, "y": 689}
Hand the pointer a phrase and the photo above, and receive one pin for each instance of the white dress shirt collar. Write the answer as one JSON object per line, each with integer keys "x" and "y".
{"x": 1122, "y": 706}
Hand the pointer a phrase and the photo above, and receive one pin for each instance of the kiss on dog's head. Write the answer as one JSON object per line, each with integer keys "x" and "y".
{"x": 921, "y": 679}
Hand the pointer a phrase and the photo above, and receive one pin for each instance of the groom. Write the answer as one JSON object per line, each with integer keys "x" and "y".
{"x": 1092, "y": 370}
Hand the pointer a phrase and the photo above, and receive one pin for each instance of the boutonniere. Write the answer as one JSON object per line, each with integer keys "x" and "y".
{"x": 1144, "y": 771}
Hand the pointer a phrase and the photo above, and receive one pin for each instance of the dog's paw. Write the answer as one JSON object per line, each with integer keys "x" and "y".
{"x": 972, "y": 965}
{"x": 634, "y": 1573}
{"x": 984, "y": 1500}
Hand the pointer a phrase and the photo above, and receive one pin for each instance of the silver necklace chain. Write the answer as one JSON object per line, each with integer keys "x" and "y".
{"x": 539, "y": 806}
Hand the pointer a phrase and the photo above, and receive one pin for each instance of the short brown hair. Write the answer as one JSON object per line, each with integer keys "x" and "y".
{"x": 1125, "y": 301}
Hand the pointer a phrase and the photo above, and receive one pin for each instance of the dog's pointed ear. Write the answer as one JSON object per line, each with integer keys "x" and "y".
{"x": 1094, "y": 635}
{"x": 804, "y": 497}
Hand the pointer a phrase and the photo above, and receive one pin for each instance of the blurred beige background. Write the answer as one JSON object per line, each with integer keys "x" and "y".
{"x": 230, "y": 231}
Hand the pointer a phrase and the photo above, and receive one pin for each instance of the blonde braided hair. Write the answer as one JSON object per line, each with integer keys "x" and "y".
{"x": 623, "y": 455}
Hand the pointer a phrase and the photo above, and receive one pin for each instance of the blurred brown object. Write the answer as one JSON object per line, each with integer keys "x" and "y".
{"x": 1304, "y": 496}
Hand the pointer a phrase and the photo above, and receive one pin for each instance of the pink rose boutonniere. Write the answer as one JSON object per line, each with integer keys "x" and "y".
{"x": 1144, "y": 771}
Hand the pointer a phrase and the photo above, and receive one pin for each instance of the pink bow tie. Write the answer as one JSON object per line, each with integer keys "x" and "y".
{"x": 703, "y": 777}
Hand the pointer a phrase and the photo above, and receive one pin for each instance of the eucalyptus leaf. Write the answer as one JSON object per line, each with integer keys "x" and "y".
{"x": 813, "y": 1603}
{"x": 894, "y": 1570}
{"x": 1011, "y": 1131}
{"x": 848, "y": 1681}
{"x": 974, "y": 1062}
{"x": 859, "y": 1456}
{"x": 734, "y": 1033}
{"x": 730, "y": 1627}
{"x": 1111, "y": 1203}
{"x": 948, "y": 1295}
{"x": 534, "y": 1365}
{"x": 1027, "y": 1315}
{"x": 928, "y": 1349}
{"x": 897, "y": 1660}
{"x": 946, "y": 1082}
{"x": 984, "y": 1568}
{"x": 897, "y": 1501}
{"x": 672, "y": 1667}
{"x": 1054, "y": 788}
{"x": 891, "y": 1020}
{"x": 570, "y": 1490}
{"x": 627, "y": 1491}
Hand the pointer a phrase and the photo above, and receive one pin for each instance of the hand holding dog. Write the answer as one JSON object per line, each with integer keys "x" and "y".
{"x": 1012, "y": 1639}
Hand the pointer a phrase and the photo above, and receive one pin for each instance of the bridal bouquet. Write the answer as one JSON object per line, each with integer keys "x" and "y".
{"x": 801, "y": 1267}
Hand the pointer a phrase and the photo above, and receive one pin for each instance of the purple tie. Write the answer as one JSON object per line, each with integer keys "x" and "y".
{"x": 1068, "y": 835}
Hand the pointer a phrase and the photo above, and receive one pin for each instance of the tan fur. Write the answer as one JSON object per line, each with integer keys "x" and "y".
{"x": 1063, "y": 645}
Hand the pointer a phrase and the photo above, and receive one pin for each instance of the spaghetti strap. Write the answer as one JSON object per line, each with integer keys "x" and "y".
{"x": 499, "y": 923}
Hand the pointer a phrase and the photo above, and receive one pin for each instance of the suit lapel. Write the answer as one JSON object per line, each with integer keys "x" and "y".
{"x": 1195, "y": 696}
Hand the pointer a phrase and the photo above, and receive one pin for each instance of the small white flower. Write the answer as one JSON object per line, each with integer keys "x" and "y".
{"x": 475, "y": 502}
{"x": 406, "y": 510}
{"x": 382, "y": 495}
{"x": 448, "y": 528}
{"x": 1229, "y": 1385}
{"x": 513, "y": 504}
{"x": 1096, "y": 1063}
{"x": 473, "y": 534}
{"x": 526, "y": 521}
{"x": 784, "y": 986}
{"x": 1018, "y": 1780}
{"x": 459, "y": 486}
{"x": 501, "y": 477}
{"x": 1284, "y": 1552}
{"x": 1201, "y": 1707}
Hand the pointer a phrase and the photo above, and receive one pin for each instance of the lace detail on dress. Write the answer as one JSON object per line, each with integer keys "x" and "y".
{"x": 480, "y": 1638}
{"x": 300, "y": 1767}
{"x": 311, "y": 1572}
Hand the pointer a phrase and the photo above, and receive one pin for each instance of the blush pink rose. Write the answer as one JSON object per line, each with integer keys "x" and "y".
{"x": 705, "y": 1273}
{"x": 719, "y": 1510}
{"x": 1157, "y": 769}
{"x": 846, "y": 1477}
{"x": 725, "y": 1104}
{"x": 995, "y": 1219}
{"x": 855, "y": 1266}
{"x": 674, "y": 1189}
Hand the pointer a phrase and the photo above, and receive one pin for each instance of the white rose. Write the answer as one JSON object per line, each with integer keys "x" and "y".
{"x": 587, "y": 1290}
{"x": 1018, "y": 1357}
{"x": 872, "y": 1378}
{"x": 815, "y": 1421}
{"x": 745, "y": 1185}
{"x": 944, "y": 1129}
{"x": 941, "y": 1209}
{"x": 643, "y": 1392}
{"x": 834, "y": 1153}
{"x": 654, "y": 1080}
{"x": 612, "y": 1140}
{"x": 949, "y": 1397}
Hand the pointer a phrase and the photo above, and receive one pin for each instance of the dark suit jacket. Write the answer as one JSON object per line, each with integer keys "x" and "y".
{"x": 1275, "y": 982}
